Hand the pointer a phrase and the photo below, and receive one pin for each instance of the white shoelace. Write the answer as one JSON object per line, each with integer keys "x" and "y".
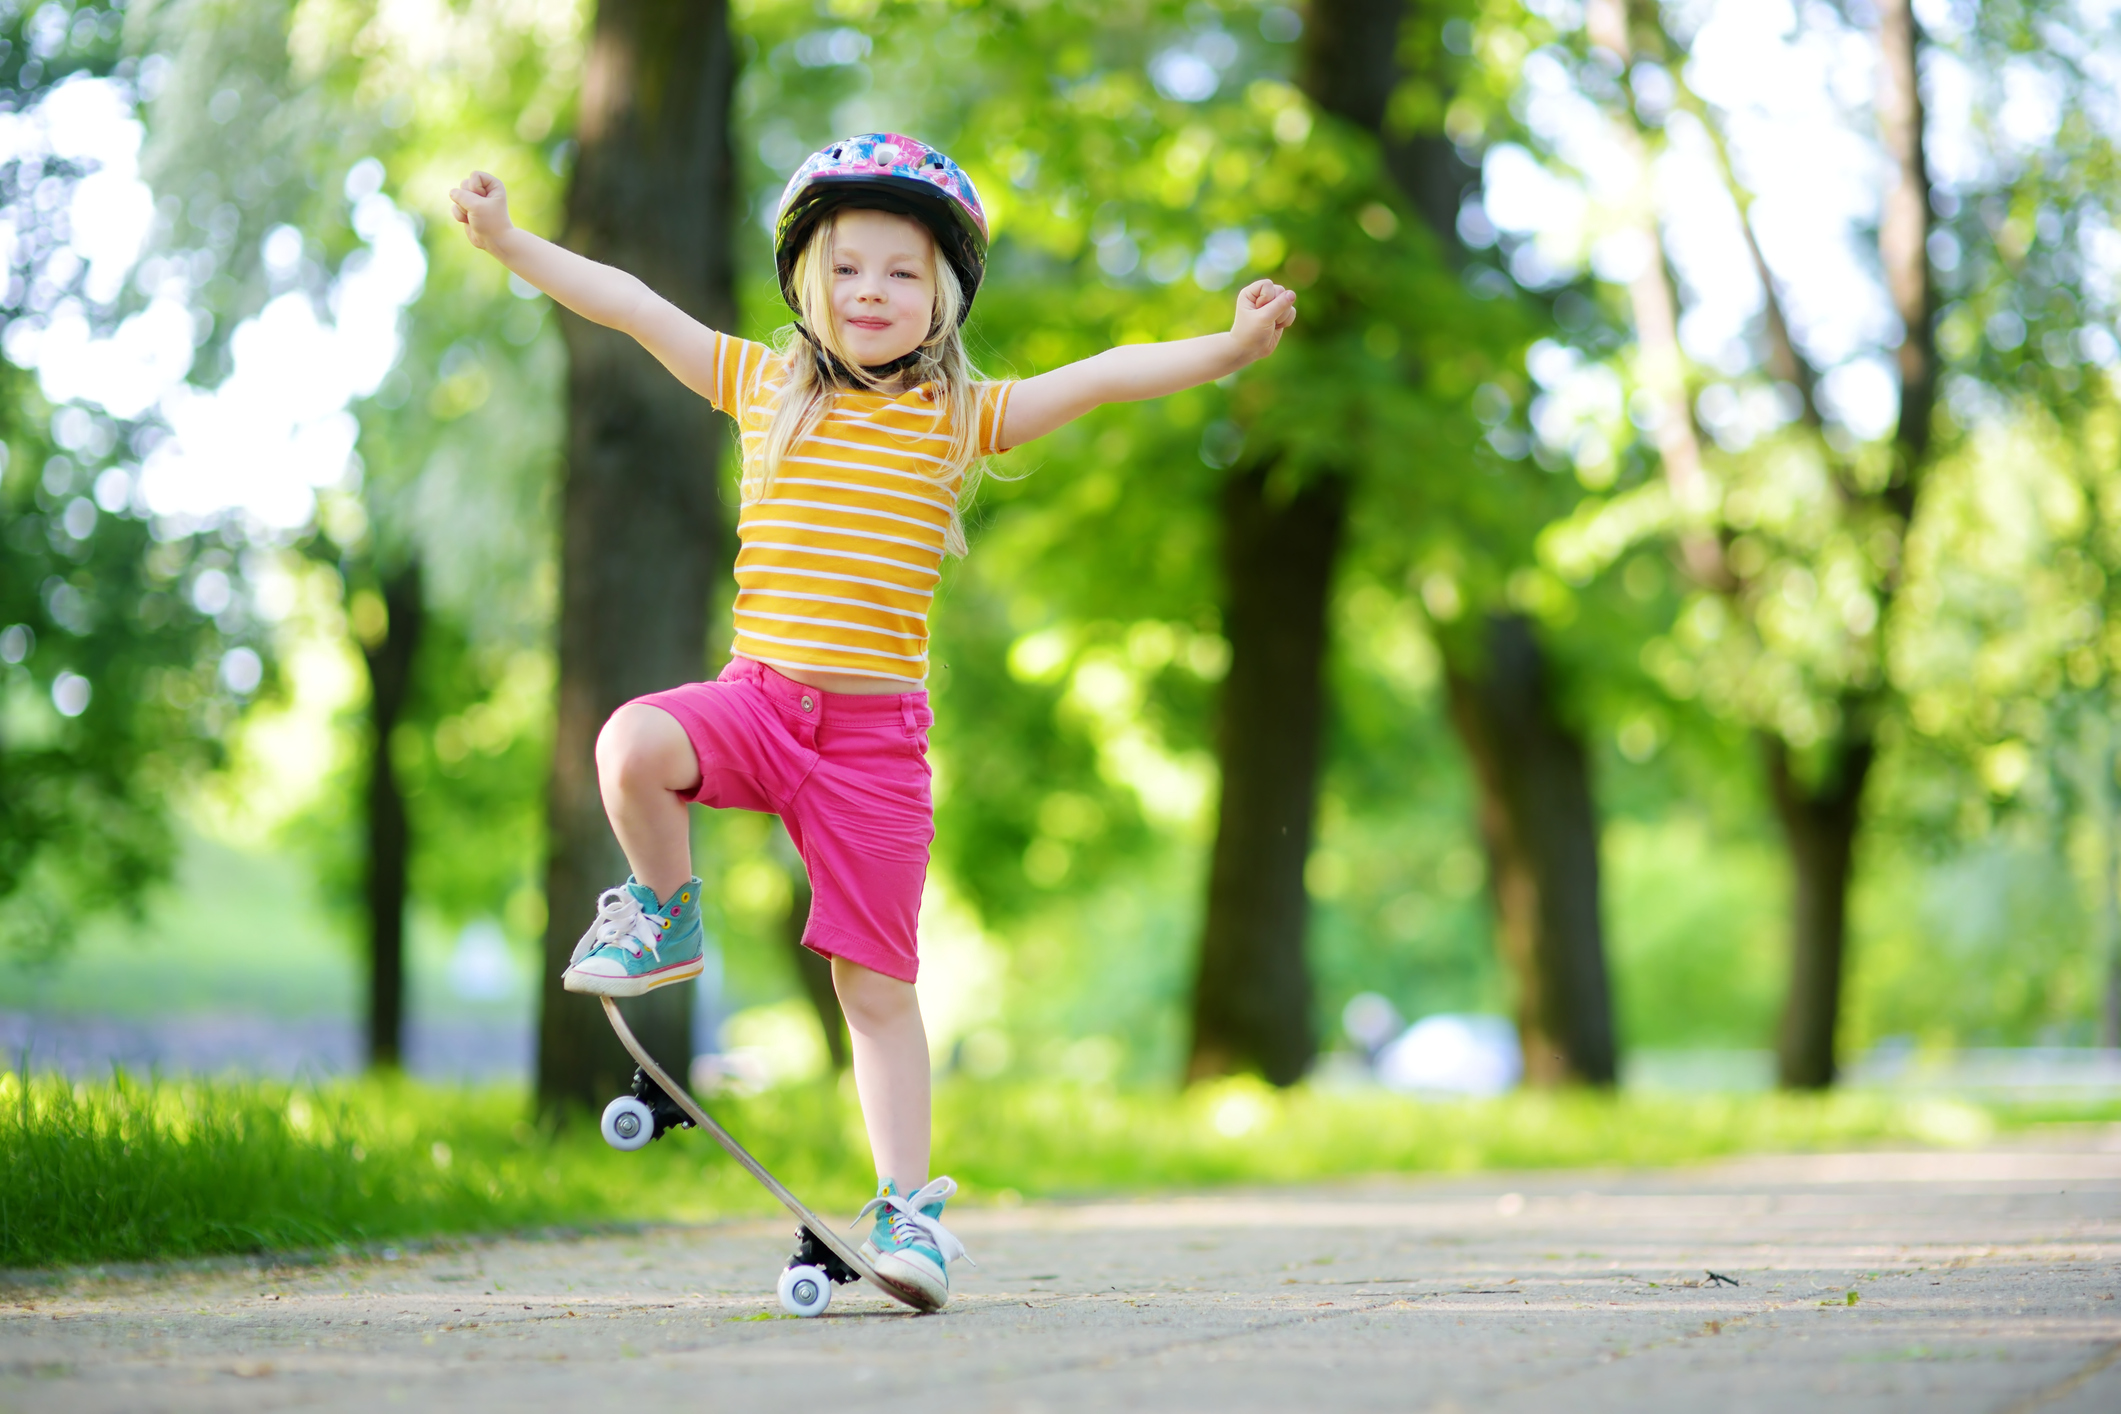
{"x": 620, "y": 919}
{"x": 909, "y": 1223}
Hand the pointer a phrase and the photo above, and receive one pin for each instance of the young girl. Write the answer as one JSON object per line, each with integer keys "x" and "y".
{"x": 862, "y": 437}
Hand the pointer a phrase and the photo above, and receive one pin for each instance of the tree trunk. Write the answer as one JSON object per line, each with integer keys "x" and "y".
{"x": 1541, "y": 832}
{"x": 643, "y": 543}
{"x": 389, "y": 661}
{"x": 1351, "y": 69}
{"x": 1252, "y": 999}
{"x": 1819, "y": 822}
{"x": 1903, "y": 247}
{"x": 2109, "y": 788}
{"x": 1548, "y": 927}
{"x": 815, "y": 970}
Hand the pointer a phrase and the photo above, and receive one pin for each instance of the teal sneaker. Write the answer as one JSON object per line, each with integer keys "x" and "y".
{"x": 637, "y": 943}
{"x": 910, "y": 1248}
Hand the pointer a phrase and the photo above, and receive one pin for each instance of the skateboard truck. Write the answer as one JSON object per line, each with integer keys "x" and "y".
{"x": 667, "y": 1114}
{"x": 809, "y": 1252}
{"x": 634, "y": 1121}
{"x": 806, "y": 1283}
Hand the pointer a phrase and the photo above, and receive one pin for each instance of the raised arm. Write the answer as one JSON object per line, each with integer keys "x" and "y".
{"x": 599, "y": 293}
{"x": 1133, "y": 372}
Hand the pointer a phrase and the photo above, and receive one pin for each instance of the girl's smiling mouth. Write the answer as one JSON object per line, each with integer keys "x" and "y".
{"x": 869, "y": 321}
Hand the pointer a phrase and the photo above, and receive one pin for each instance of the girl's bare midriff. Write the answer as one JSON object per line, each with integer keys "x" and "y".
{"x": 843, "y": 682}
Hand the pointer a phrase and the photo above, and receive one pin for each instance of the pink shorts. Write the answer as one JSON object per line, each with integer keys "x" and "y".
{"x": 848, "y": 775}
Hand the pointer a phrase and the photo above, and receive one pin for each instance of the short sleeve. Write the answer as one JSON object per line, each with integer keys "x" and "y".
{"x": 739, "y": 368}
{"x": 993, "y": 410}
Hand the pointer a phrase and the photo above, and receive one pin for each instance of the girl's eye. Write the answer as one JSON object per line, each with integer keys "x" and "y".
{"x": 843, "y": 269}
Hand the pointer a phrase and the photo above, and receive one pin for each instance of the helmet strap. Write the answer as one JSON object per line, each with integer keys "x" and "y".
{"x": 832, "y": 370}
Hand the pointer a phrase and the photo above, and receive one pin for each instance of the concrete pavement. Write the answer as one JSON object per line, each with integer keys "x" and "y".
{"x": 1983, "y": 1281}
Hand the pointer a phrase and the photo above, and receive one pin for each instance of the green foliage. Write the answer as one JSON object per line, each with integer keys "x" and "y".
{"x": 459, "y": 444}
{"x": 1697, "y": 933}
{"x": 48, "y": 43}
{"x": 1986, "y": 947}
{"x": 131, "y": 1170}
{"x": 109, "y": 690}
{"x": 1078, "y": 652}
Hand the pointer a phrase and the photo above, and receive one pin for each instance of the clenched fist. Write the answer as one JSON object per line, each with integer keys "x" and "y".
{"x": 482, "y": 205}
{"x": 1264, "y": 309}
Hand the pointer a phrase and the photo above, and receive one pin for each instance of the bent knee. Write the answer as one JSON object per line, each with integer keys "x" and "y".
{"x": 870, "y": 1000}
{"x": 644, "y": 746}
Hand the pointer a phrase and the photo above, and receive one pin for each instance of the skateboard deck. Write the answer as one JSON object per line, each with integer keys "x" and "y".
{"x": 824, "y": 1233}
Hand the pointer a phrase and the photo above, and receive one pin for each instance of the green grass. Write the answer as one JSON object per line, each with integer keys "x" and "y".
{"x": 129, "y": 1170}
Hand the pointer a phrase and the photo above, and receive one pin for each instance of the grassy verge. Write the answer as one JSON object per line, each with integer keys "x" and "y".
{"x": 132, "y": 1170}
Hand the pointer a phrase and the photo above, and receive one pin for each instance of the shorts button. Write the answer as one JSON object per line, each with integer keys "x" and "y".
{"x": 807, "y": 703}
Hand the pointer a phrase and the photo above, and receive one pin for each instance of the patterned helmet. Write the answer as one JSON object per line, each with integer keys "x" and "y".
{"x": 885, "y": 172}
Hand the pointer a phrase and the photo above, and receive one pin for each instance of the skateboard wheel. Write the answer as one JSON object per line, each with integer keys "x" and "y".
{"x": 628, "y": 1124}
{"x": 805, "y": 1291}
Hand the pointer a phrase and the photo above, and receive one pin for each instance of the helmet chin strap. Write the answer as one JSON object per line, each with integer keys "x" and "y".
{"x": 835, "y": 371}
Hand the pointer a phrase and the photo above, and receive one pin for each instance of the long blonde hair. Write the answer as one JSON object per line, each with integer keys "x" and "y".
{"x": 808, "y": 385}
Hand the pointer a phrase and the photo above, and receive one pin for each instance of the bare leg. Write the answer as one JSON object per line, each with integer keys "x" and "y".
{"x": 890, "y": 1068}
{"x": 646, "y": 768}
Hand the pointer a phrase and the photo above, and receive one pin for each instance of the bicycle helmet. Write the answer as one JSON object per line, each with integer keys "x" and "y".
{"x": 884, "y": 172}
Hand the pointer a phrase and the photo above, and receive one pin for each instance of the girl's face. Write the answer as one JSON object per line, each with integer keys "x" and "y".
{"x": 883, "y": 284}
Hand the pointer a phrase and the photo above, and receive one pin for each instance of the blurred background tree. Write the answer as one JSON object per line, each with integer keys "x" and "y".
{"x": 278, "y": 133}
{"x": 1388, "y": 68}
{"x": 124, "y": 656}
{"x": 644, "y": 543}
{"x": 1801, "y": 540}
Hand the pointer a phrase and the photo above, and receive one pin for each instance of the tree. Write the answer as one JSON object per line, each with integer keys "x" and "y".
{"x": 390, "y": 654}
{"x": 643, "y": 538}
{"x": 1816, "y": 773}
{"x": 113, "y": 681}
{"x": 1539, "y": 823}
{"x": 1537, "y": 813}
{"x": 1252, "y": 994}
{"x": 110, "y": 654}
{"x": 1818, "y": 791}
{"x": 432, "y": 543}
{"x": 2002, "y": 645}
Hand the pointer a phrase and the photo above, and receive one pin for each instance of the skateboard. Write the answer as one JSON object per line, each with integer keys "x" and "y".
{"x": 823, "y": 1259}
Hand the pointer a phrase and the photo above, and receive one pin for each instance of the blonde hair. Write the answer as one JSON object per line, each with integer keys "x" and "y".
{"x": 808, "y": 386}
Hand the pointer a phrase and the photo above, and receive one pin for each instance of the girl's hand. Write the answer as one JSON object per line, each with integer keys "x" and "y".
{"x": 1264, "y": 309}
{"x": 481, "y": 203}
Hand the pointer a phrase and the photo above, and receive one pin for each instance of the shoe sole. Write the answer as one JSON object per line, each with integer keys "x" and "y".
{"x": 633, "y": 986}
{"x": 915, "y": 1292}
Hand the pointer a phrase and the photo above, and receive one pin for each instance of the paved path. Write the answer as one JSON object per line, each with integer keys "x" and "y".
{"x": 1985, "y": 1282}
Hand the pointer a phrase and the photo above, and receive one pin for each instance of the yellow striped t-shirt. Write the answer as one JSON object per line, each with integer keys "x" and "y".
{"x": 837, "y": 561}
